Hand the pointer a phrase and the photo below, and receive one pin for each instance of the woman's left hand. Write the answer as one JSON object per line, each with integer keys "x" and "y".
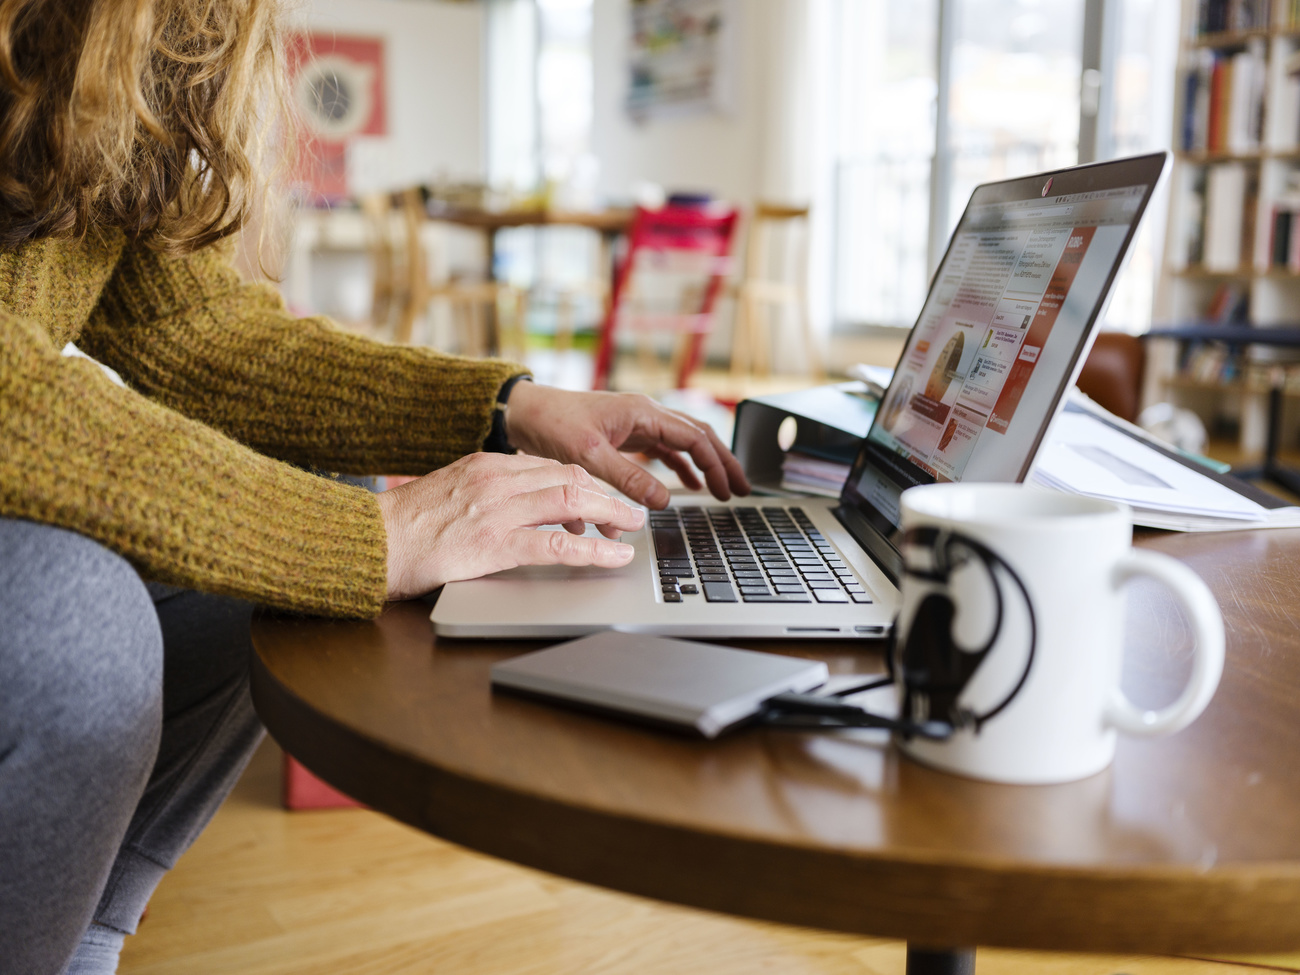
{"x": 589, "y": 429}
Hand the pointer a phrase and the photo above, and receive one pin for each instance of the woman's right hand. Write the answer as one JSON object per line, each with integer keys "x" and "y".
{"x": 480, "y": 514}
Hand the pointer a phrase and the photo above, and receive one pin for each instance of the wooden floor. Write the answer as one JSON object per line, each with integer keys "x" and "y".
{"x": 349, "y": 892}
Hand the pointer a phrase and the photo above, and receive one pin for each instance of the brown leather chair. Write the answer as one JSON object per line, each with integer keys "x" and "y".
{"x": 1112, "y": 374}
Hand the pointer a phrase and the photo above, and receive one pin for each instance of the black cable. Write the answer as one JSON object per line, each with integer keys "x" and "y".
{"x": 811, "y": 711}
{"x": 860, "y": 688}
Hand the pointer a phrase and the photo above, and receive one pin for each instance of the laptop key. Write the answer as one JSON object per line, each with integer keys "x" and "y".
{"x": 714, "y": 577}
{"x": 670, "y": 543}
{"x": 775, "y": 599}
{"x": 831, "y": 595}
{"x": 823, "y": 584}
{"x": 690, "y": 590}
{"x": 721, "y": 592}
{"x": 859, "y": 597}
{"x": 672, "y": 597}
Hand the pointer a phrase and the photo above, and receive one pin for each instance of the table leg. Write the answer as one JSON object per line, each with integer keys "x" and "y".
{"x": 940, "y": 961}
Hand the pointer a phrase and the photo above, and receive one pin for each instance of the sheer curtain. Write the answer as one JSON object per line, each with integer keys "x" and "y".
{"x": 794, "y": 133}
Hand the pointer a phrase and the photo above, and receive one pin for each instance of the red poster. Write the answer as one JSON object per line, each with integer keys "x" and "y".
{"x": 1048, "y": 309}
{"x": 339, "y": 91}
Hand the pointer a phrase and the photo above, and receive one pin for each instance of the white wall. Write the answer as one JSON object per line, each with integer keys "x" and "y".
{"x": 436, "y": 104}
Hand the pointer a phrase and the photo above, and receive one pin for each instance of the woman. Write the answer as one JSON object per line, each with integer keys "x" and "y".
{"x": 129, "y": 132}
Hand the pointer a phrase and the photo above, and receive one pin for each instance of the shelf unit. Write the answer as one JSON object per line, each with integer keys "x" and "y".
{"x": 1236, "y": 164}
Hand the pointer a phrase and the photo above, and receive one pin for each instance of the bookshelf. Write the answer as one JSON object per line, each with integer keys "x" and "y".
{"x": 1232, "y": 247}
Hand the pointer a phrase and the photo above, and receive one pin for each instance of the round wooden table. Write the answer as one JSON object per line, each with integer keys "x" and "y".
{"x": 1187, "y": 844}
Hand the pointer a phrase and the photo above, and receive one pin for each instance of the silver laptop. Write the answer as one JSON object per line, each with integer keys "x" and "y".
{"x": 1002, "y": 335}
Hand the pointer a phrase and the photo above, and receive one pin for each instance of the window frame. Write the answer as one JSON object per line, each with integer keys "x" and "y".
{"x": 1098, "y": 60}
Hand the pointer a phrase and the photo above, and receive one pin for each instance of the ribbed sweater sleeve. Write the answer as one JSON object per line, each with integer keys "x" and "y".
{"x": 181, "y": 501}
{"x": 187, "y": 332}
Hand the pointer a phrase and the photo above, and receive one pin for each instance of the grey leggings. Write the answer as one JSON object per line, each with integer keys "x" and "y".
{"x": 125, "y": 720}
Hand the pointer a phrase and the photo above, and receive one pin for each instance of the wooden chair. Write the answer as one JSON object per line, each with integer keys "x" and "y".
{"x": 760, "y": 296}
{"x": 386, "y": 296}
{"x": 706, "y": 235}
{"x": 479, "y": 308}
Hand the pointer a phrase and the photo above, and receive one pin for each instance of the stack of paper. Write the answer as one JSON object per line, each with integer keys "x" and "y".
{"x": 812, "y": 475}
{"x": 1088, "y": 456}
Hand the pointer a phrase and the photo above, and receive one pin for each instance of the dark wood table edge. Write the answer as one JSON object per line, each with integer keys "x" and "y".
{"x": 1239, "y": 908}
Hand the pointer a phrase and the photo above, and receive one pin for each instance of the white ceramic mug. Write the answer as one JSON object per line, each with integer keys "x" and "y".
{"x": 1011, "y": 628}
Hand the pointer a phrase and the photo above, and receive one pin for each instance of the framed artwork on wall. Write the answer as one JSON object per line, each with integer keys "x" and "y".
{"x": 339, "y": 91}
{"x": 681, "y": 57}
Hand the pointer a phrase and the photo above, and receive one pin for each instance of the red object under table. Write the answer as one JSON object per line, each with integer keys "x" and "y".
{"x": 302, "y": 790}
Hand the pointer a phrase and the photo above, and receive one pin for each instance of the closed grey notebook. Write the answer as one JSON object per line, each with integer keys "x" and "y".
{"x": 692, "y": 686}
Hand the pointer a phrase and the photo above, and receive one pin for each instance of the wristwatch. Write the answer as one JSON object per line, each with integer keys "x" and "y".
{"x": 496, "y": 441}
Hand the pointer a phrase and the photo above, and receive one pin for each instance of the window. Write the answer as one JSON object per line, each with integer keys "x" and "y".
{"x": 937, "y": 96}
{"x": 540, "y": 110}
{"x": 886, "y": 133}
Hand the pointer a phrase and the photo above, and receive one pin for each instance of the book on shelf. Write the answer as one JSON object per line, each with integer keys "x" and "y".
{"x": 1229, "y": 305}
{"x": 1215, "y": 363}
{"x": 1229, "y": 234}
{"x": 1188, "y": 248}
{"x": 1223, "y": 99}
{"x": 1220, "y": 16}
{"x": 1284, "y": 231}
{"x": 1284, "y": 249}
{"x": 1284, "y": 106}
{"x": 1287, "y": 14}
{"x": 1209, "y": 363}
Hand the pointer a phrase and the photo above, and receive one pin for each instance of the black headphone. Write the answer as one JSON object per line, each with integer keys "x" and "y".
{"x": 931, "y": 664}
{"x": 933, "y": 640}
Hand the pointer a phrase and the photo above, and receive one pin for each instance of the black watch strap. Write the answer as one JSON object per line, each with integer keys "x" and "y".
{"x": 496, "y": 441}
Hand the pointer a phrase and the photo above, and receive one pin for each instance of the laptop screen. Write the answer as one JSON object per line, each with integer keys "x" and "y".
{"x": 1008, "y": 316}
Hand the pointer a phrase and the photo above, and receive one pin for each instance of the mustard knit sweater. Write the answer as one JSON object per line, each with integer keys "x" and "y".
{"x": 184, "y": 472}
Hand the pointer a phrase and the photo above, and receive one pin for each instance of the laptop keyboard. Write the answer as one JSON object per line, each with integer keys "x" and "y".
{"x": 754, "y": 555}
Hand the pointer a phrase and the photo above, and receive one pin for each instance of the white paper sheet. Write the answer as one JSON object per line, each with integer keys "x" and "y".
{"x": 1085, "y": 456}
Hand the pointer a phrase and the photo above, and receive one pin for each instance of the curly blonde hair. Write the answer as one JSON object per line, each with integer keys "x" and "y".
{"x": 146, "y": 115}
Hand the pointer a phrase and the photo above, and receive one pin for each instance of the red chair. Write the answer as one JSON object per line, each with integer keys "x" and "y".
{"x": 706, "y": 231}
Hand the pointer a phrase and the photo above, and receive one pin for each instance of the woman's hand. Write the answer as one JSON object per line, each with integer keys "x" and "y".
{"x": 589, "y": 429}
{"x": 479, "y": 515}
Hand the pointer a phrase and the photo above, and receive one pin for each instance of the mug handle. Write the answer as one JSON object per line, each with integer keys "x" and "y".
{"x": 1207, "y": 663}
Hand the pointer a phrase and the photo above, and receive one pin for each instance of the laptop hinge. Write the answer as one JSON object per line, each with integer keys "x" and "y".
{"x": 872, "y": 542}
